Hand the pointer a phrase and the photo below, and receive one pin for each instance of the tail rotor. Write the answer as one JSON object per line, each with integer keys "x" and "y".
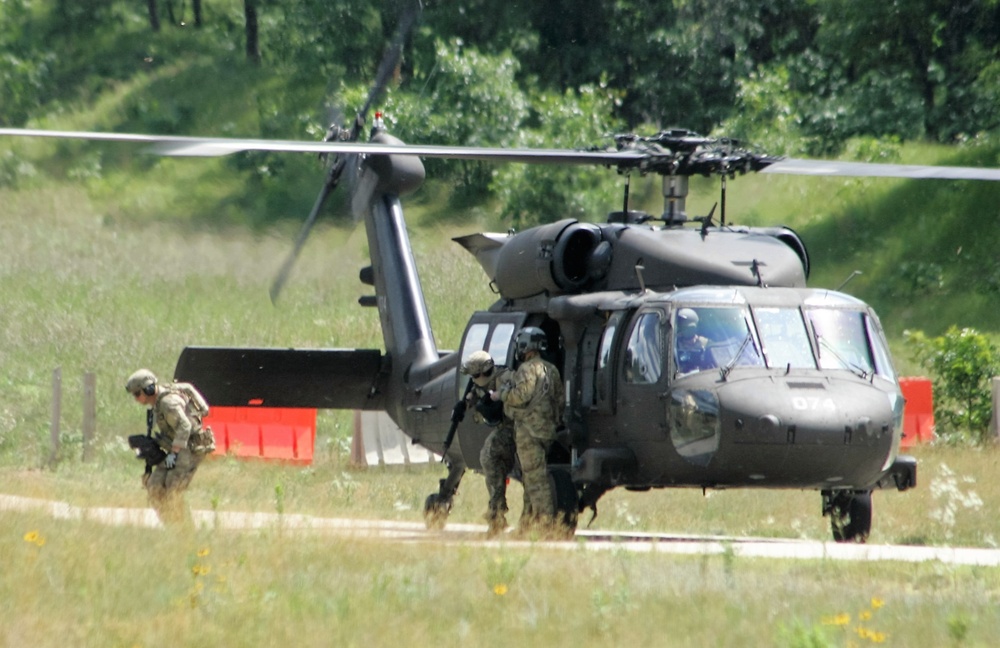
{"x": 342, "y": 162}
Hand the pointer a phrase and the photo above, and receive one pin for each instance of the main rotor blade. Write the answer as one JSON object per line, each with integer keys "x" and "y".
{"x": 182, "y": 146}
{"x": 629, "y": 158}
{"x": 792, "y": 166}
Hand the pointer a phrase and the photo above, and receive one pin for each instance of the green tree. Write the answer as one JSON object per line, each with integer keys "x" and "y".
{"x": 910, "y": 68}
{"x": 533, "y": 194}
{"x": 962, "y": 363}
{"x": 466, "y": 98}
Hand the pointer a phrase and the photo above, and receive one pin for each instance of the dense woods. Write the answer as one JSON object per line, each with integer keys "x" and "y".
{"x": 827, "y": 69}
{"x": 800, "y": 77}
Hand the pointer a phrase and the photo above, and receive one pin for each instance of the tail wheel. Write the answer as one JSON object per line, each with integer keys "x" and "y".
{"x": 567, "y": 503}
{"x": 851, "y": 516}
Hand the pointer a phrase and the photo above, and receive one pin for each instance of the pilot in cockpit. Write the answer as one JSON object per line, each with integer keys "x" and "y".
{"x": 691, "y": 348}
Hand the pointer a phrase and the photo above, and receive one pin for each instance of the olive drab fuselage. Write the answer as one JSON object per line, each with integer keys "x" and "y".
{"x": 793, "y": 388}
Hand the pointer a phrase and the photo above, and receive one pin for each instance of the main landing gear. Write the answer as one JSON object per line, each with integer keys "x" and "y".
{"x": 850, "y": 514}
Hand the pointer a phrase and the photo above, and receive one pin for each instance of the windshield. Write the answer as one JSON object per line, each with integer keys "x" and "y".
{"x": 783, "y": 334}
{"x": 714, "y": 338}
{"x": 783, "y": 337}
{"x": 841, "y": 340}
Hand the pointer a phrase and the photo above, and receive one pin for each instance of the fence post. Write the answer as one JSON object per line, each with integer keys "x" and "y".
{"x": 995, "y": 419}
{"x": 89, "y": 414}
{"x": 56, "y": 415}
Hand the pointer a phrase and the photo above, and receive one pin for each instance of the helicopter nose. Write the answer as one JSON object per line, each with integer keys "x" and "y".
{"x": 821, "y": 412}
{"x": 825, "y": 431}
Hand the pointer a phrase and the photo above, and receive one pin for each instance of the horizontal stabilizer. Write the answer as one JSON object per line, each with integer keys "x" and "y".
{"x": 315, "y": 378}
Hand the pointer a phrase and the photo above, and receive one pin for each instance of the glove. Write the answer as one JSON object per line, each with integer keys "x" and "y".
{"x": 491, "y": 410}
{"x": 170, "y": 461}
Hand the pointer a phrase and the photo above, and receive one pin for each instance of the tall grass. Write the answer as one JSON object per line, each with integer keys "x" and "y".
{"x": 84, "y": 288}
{"x": 77, "y": 583}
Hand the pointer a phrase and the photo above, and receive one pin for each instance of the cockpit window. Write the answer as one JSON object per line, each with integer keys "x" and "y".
{"x": 784, "y": 336}
{"x": 841, "y": 340}
{"x": 883, "y": 363}
{"x": 644, "y": 353}
{"x": 713, "y": 338}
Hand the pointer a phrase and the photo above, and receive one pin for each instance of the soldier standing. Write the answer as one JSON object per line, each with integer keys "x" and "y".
{"x": 534, "y": 400}
{"x": 498, "y": 454}
{"x": 177, "y": 411}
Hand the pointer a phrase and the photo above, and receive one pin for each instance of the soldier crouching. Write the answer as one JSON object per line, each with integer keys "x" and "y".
{"x": 177, "y": 410}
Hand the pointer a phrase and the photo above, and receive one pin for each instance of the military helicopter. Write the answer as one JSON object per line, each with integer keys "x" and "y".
{"x": 785, "y": 386}
{"x": 693, "y": 353}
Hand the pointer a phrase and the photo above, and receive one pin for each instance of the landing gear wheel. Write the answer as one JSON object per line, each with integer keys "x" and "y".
{"x": 436, "y": 510}
{"x": 851, "y": 516}
{"x": 567, "y": 503}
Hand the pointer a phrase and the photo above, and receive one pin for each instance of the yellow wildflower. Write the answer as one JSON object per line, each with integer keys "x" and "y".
{"x": 877, "y": 603}
{"x": 499, "y": 589}
{"x": 838, "y": 620}
{"x": 204, "y": 552}
{"x": 35, "y": 538}
{"x": 201, "y": 570}
{"x": 866, "y": 615}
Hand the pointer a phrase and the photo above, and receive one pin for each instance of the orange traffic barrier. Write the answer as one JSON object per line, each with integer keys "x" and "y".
{"x": 283, "y": 434}
{"x": 918, "y": 417}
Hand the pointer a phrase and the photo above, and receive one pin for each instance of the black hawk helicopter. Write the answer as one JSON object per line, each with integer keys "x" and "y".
{"x": 693, "y": 353}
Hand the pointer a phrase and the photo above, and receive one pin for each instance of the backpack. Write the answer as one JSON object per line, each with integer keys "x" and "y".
{"x": 201, "y": 441}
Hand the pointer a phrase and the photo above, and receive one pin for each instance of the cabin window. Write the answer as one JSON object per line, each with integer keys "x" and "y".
{"x": 841, "y": 340}
{"x": 713, "y": 338}
{"x": 604, "y": 361}
{"x": 500, "y": 342}
{"x": 784, "y": 337}
{"x": 475, "y": 340}
{"x": 644, "y": 353}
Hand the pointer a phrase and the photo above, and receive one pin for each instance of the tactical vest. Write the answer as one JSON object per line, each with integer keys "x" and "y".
{"x": 201, "y": 441}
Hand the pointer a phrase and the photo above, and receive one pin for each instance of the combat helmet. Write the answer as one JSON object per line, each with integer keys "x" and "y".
{"x": 478, "y": 365}
{"x": 687, "y": 320}
{"x": 143, "y": 380}
{"x": 530, "y": 338}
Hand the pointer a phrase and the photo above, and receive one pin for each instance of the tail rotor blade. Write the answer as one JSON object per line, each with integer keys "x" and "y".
{"x": 385, "y": 70}
{"x": 300, "y": 240}
{"x": 388, "y": 64}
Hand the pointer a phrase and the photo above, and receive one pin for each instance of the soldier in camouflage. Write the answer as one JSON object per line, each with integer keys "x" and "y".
{"x": 534, "y": 399}
{"x": 498, "y": 454}
{"x": 178, "y": 420}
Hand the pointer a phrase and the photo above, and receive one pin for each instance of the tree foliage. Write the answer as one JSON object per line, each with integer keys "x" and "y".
{"x": 788, "y": 75}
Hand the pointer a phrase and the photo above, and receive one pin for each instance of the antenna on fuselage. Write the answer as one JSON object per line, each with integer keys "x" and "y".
{"x": 639, "y": 268}
{"x": 846, "y": 281}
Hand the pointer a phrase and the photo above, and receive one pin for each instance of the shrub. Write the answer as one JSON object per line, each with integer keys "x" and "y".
{"x": 961, "y": 363}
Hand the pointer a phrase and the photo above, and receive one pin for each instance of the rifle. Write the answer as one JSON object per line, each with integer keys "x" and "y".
{"x": 457, "y": 414}
{"x": 146, "y": 447}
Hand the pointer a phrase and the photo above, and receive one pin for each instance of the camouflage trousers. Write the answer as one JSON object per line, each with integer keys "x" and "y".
{"x": 497, "y": 458}
{"x": 538, "y": 495}
{"x": 166, "y": 487}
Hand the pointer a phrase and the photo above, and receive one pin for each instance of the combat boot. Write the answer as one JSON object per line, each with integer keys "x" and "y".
{"x": 496, "y": 523}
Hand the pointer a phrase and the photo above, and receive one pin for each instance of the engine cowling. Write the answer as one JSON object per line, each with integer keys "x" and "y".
{"x": 564, "y": 257}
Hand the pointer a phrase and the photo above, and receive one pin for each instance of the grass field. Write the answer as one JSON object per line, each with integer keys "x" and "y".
{"x": 85, "y": 288}
{"x": 81, "y": 583}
